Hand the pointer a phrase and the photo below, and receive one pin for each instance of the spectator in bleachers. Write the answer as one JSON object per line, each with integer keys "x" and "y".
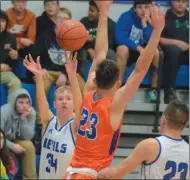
{"x": 91, "y": 22}
{"x": 52, "y": 56}
{"x": 7, "y": 163}
{"x": 22, "y": 23}
{"x": 133, "y": 31}
{"x": 8, "y": 55}
{"x": 18, "y": 122}
{"x": 48, "y": 18}
{"x": 175, "y": 44}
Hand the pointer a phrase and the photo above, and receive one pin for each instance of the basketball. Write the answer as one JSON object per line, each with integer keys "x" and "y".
{"x": 71, "y": 35}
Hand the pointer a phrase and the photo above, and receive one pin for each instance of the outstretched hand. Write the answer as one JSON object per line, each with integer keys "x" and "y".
{"x": 33, "y": 67}
{"x": 157, "y": 18}
{"x": 71, "y": 63}
{"x": 104, "y": 5}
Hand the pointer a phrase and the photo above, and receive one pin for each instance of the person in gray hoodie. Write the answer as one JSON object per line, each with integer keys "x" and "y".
{"x": 18, "y": 119}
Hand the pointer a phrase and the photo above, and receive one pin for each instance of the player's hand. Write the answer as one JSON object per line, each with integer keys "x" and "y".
{"x": 157, "y": 18}
{"x": 13, "y": 54}
{"x": 18, "y": 149}
{"x": 27, "y": 113}
{"x": 107, "y": 173}
{"x": 103, "y": 5}
{"x": 33, "y": 67}
{"x": 5, "y": 67}
{"x": 182, "y": 45}
{"x": 71, "y": 63}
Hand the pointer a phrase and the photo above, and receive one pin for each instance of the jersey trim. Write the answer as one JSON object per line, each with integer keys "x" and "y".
{"x": 72, "y": 134}
{"x": 56, "y": 124}
{"x": 94, "y": 98}
{"x": 48, "y": 125}
{"x": 181, "y": 139}
{"x": 160, "y": 150}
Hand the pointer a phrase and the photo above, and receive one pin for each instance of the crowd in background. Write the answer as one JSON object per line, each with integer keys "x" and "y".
{"x": 22, "y": 33}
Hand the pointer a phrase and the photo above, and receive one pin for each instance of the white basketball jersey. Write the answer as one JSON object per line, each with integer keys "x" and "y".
{"x": 57, "y": 150}
{"x": 172, "y": 161}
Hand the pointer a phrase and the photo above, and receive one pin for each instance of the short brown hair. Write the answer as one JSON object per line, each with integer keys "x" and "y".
{"x": 66, "y": 11}
{"x": 177, "y": 114}
{"x": 45, "y": 1}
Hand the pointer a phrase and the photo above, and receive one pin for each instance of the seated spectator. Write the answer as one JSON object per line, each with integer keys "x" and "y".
{"x": 48, "y": 19}
{"x": 18, "y": 122}
{"x": 91, "y": 23}
{"x": 7, "y": 163}
{"x": 52, "y": 56}
{"x": 133, "y": 31}
{"x": 175, "y": 44}
{"x": 8, "y": 56}
{"x": 22, "y": 23}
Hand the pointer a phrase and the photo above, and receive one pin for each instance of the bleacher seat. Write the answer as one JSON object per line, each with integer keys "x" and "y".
{"x": 3, "y": 94}
{"x": 20, "y": 70}
{"x": 181, "y": 81}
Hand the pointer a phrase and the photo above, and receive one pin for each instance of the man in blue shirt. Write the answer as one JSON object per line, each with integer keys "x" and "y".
{"x": 133, "y": 31}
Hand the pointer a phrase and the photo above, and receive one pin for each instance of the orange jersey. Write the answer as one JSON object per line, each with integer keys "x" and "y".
{"x": 96, "y": 141}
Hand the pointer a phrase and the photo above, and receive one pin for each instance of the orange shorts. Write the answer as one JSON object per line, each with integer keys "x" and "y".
{"x": 78, "y": 176}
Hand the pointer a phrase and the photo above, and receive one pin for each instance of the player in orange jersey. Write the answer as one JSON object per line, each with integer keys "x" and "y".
{"x": 104, "y": 102}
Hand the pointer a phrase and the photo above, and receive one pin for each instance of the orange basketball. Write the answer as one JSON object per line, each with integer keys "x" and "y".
{"x": 71, "y": 35}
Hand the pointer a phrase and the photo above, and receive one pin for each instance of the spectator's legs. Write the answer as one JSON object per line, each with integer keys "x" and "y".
{"x": 122, "y": 57}
{"x": 154, "y": 78}
{"x": 171, "y": 67}
{"x": 111, "y": 54}
{"x": 29, "y": 160}
{"x": 10, "y": 80}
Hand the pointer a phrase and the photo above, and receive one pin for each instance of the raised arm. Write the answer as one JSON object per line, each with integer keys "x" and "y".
{"x": 71, "y": 68}
{"x": 125, "y": 94}
{"x": 35, "y": 68}
{"x": 101, "y": 46}
{"x": 145, "y": 152}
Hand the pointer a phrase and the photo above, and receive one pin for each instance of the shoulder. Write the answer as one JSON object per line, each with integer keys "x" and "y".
{"x": 149, "y": 144}
{"x": 84, "y": 19}
{"x": 30, "y": 14}
{"x": 9, "y": 11}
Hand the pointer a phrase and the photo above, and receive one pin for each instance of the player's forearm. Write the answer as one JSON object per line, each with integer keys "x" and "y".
{"x": 41, "y": 98}
{"x": 101, "y": 46}
{"x": 146, "y": 57}
{"x": 77, "y": 96}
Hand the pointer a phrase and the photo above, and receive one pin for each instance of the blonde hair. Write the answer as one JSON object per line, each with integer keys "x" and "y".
{"x": 66, "y": 11}
{"x": 62, "y": 89}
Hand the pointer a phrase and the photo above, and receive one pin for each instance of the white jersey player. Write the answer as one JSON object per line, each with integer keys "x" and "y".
{"x": 165, "y": 157}
{"x": 57, "y": 150}
{"x": 58, "y": 139}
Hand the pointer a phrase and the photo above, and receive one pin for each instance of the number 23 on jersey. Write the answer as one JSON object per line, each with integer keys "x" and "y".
{"x": 87, "y": 118}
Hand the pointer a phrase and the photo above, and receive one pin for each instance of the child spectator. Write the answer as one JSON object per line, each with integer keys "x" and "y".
{"x": 7, "y": 164}
{"x": 18, "y": 122}
{"x": 22, "y": 23}
{"x": 133, "y": 31}
{"x": 8, "y": 55}
{"x": 175, "y": 44}
{"x": 48, "y": 18}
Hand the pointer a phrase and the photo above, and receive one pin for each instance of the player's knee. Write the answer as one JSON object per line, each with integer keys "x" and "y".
{"x": 122, "y": 53}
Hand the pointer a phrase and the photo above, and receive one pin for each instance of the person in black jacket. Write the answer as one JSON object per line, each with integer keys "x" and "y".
{"x": 91, "y": 22}
{"x": 47, "y": 20}
{"x": 8, "y": 56}
{"x": 175, "y": 43}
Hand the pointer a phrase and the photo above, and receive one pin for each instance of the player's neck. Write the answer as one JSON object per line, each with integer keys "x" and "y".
{"x": 173, "y": 133}
{"x": 101, "y": 93}
{"x": 62, "y": 118}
